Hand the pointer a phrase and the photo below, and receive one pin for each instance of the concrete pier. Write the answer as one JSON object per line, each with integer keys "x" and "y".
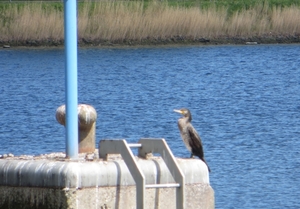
{"x": 90, "y": 182}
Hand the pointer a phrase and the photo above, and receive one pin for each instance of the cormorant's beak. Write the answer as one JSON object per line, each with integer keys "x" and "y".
{"x": 178, "y": 111}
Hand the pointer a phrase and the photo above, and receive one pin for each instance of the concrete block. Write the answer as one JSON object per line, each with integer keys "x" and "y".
{"x": 37, "y": 184}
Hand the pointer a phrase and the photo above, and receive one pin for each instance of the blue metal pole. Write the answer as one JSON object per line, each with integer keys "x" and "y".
{"x": 70, "y": 35}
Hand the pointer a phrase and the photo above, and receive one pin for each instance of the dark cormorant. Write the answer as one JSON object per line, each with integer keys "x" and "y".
{"x": 189, "y": 135}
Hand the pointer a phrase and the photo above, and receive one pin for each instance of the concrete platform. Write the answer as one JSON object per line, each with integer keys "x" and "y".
{"x": 58, "y": 183}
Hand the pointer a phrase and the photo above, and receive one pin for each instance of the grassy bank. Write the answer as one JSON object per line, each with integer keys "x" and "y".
{"x": 136, "y": 22}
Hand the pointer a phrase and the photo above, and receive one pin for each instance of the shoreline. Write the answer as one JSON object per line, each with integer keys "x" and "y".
{"x": 282, "y": 39}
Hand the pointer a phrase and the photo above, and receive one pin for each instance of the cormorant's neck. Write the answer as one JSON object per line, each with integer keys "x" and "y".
{"x": 187, "y": 118}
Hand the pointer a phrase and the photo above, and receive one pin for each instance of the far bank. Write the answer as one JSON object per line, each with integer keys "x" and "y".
{"x": 154, "y": 23}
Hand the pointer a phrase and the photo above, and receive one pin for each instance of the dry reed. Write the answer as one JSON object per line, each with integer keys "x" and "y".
{"x": 119, "y": 21}
{"x": 31, "y": 23}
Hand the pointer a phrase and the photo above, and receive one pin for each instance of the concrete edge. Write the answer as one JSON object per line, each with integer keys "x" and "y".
{"x": 56, "y": 174}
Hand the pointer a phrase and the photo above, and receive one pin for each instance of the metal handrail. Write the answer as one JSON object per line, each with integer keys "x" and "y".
{"x": 146, "y": 146}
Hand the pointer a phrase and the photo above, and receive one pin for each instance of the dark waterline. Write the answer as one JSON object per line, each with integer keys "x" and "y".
{"x": 244, "y": 101}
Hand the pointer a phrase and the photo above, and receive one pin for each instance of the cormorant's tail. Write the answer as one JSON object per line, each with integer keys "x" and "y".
{"x": 205, "y": 163}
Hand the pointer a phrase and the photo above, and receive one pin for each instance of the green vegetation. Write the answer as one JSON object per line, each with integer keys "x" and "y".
{"x": 235, "y": 5}
{"x": 148, "y": 20}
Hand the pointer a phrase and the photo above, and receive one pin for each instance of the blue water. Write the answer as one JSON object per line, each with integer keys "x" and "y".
{"x": 245, "y": 103}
